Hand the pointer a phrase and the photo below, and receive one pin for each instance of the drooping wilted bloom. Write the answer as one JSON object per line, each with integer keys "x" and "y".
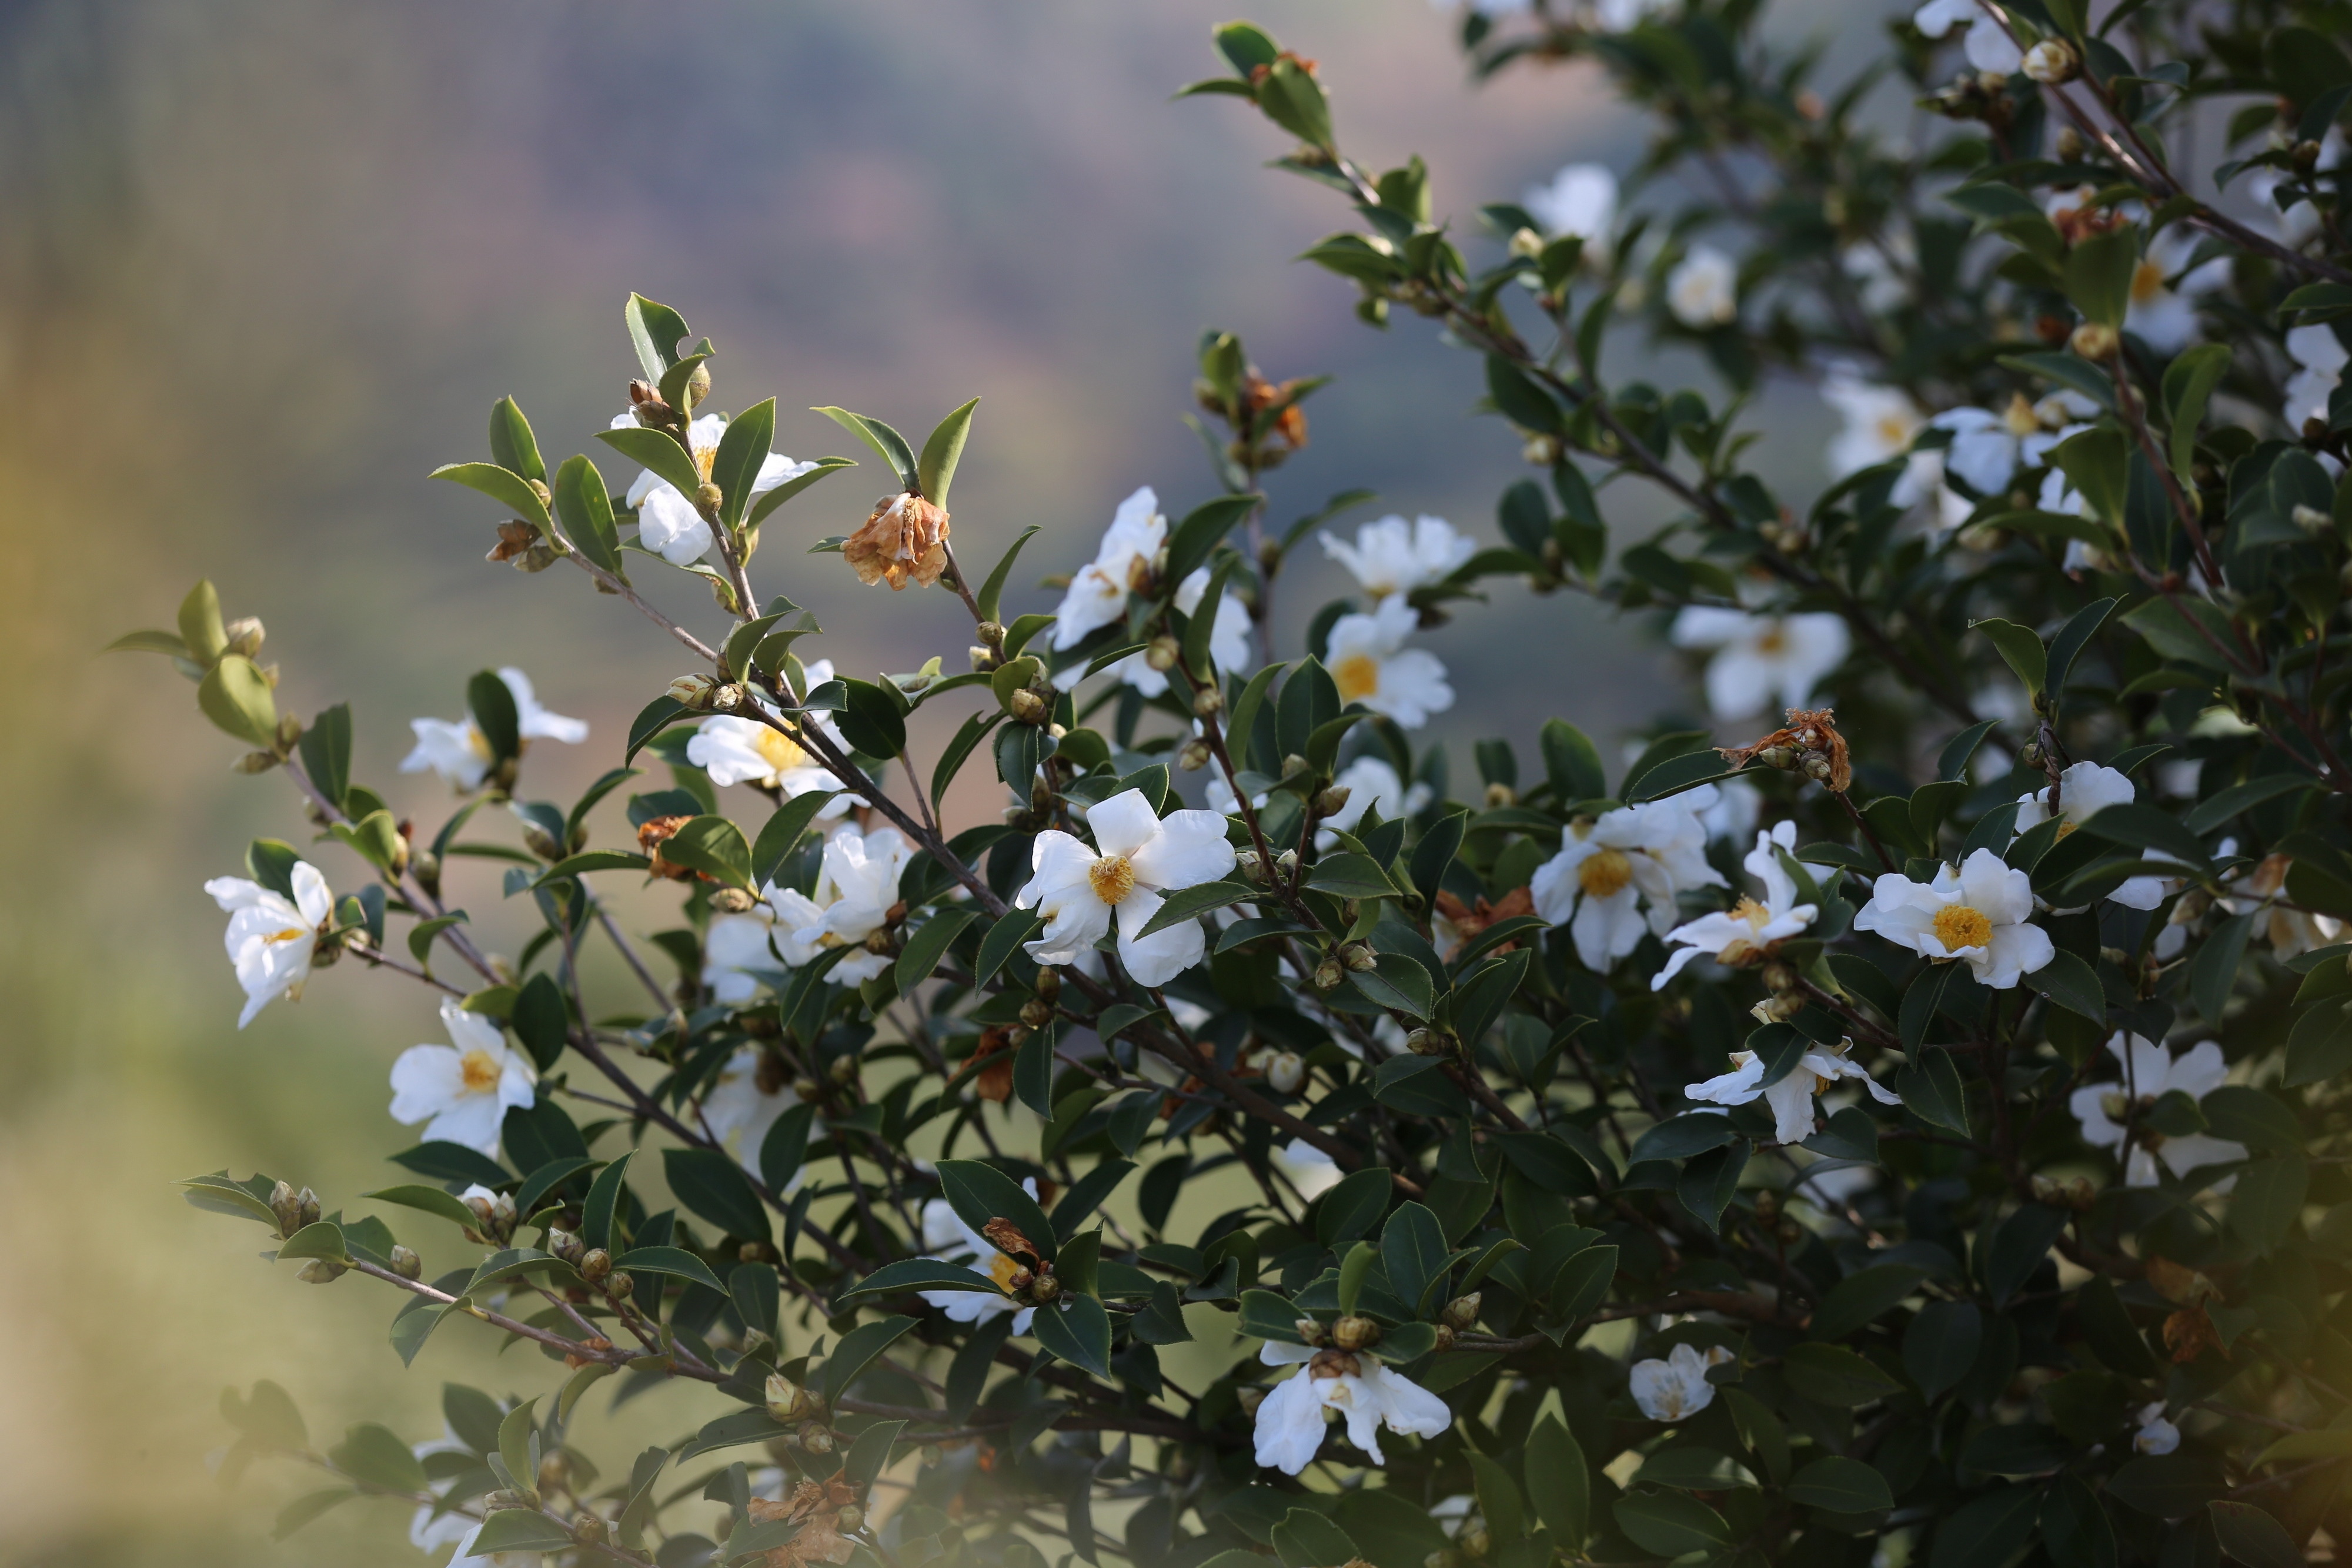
{"x": 1762, "y": 660}
{"x": 457, "y": 751}
{"x": 1616, "y": 875}
{"x": 1370, "y": 664}
{"x": 1754, "y": 927}
{"x": 1137, "y": 857}
{"x": 462, "y": 1091}
{"x": 1392, "y": 556}
{"x": 1979, "y": 912}
{"x": 2149, "y": 1072}
{"x": 857, "y": 886}
{"x": 1703, "y": 289}
{"x": 1368, "y": 1394}
{"x": 1791, "y": 1098}
{"x": 904, "y": 539}
{"x": 1674, "y": 1388}
{"x": 271, "y": 937}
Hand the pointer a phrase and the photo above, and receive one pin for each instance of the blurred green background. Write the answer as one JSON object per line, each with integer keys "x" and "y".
{"x": 268, "y": 264}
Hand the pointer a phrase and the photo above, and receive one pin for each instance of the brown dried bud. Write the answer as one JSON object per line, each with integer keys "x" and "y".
{"x": 654, "y": 833}
{"x": 645, "y": 403}
{"x": 903, "y": 539}
{"x": 405, "y": 1262}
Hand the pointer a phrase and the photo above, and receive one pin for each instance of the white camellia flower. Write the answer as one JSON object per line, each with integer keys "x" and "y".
{"x": 1702, "y": 291}
{"x": 2165, "y": 289}
{"x": 1392, "y": 556}
{"x": 1791, "y": 1098}
{"x": 856, "y": 884}
{"x": 739, "y": 1111}
{"x": 1979, "y": 912}
{"x": 746, "y": 752}
{"x": 1762, "y": 660}
{"x": 2150, "y": 1071}
{"x": 947, "y": 1239}
{"x": 457, "y": 751}
{"x": 1878, "y": 424}
{"x": 668, "y": 523}
{"x": 462, "y": 1091}
{"x": 271, "y": 937}
{"x": 1369, "y": 1395}
{"x": 2155, "y": 1434}
{"x": 1675, "y": 1388}
{"x": 1989, "y": 46}
{"x": 2083, "y": 792}
{"x": 1578, "y": 201}
{"x": 1988, "y": 448}
{"x": 1370, "y": 664}
{"x": 1097, "y": 593}
{"x": 2319, "y": 356}
{"x": 1136, "y": 858}
{"x": 1370, "y": 781}
{"x": 1229, "y": 642}
{"x": 1609, "y": 868}
{"x": 1753, "y": 926}
{"x": 735, "y": 946}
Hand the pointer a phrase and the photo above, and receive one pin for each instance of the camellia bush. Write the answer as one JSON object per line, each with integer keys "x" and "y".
{"x": 1906, "y": 1120}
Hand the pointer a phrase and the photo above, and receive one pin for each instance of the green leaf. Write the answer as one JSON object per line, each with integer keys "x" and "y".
{"x": 492, "y": 703}
{"x": 919, "y": 1274}
{"x": 1413, "y": 1249}
{"x": 306, "y": 1507}
{"x": 2072, "y": 984}
{"x": 1080, "y": 1333}
{"x": 1834, "y": 1375}
{"x": 169, "y": 644}
{"x": 267, "y": 1416}
{"x": 579, "y": 865}
{"x": 1191, "y": 902}
{"x": 1013, "y": 927}
{"x": 658, "y": 450}
{"x": 2213, "y": 972}
{"x": 501, "y": 484}
{"x": 1559, "y": 1482}
{"x": 2169, "y": 1485}
{"x": 2099, "y": 274}
{"x": 1203, "y": 528}
{"x": 870, "y": 1455}
{"x": 1671, "y": 1523}
{"x": 513, "y": 445}
{"x": 2253, "y": 1538}
{"x": 1498, "y": 1499}
{"x": 375, "y": 1455}
{"x": 886, "y": 442}
{"x": 936, "y": 469}
{"x": 326, "y": 749}
{"x": 992, "y": 593}
{"x": 1862, "y": 1298}
{"x": 713, "y": 845}
{"x": 785, "y": 1148}
{"x": 520, "y": 1530}
{"x": 1571, "y": 762}
{"x": 1941, "y": 1344}
{"x": 1352, "y": 1207}
{"x": 1305, "y": 1539}
{"x": 928, "y": 944}
{"x": 236, "y": 695}
{"x": 586, "y": 508}
{"x": 1351, "y": 876}
{"x": 2331, "y": 1443}
{"x": 711, "y": 1185}
{"x": 675, "y": 1262}
{"x": 965, "y": 741}
{"x": 856, "y": 1352}
{"x": 742, "y": 452}
{"x": 872, "y": 722}
{"x": 1400, "y": 983}
{"x": 1679, "y": 1137}
{"x": 320, "y": 1238}
{"x": 980, "y": 1193}
{"x": 2189, "y": 384}
{"x": 2184, "y": 628}
{"x": 1203, "y": 621}
{"x": 429, "y": 1199}
{"x": 201, "y": 630}
{"x": 1989, "y": 1528}
{"x": 603, "y": 1201}
{"x": 2020, "y": 648}
{"x": 654, "y": 331}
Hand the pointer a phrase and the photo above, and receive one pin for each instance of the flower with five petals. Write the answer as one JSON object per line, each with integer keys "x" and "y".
{"x": 1137, "y": 857}
{"x": 271, "y": 937}
{"x": 463, "y": 1090}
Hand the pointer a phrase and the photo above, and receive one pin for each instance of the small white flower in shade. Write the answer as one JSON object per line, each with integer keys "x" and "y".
{"x": 947, "y": 1239}
{"x": 2150, "y": 1071}
{"x": 461, "y": 1092}
{"x": 1791, "y": 1098}
{"x": 1229, "y": 642}
{"x": 1312, "y": 1172}
{"x": 2155, "y": 1434}
{"x": 1978, "y": 912}
{"x": 1580, "y": 201}
{"x": 2299, "y": 222}
{"x": 271, "y": 937}
{"x": 2289, "y": 932}
{"x": 856, "y": 884}
{"x": 735, "y": 946}
{"x": 1988, "y": 448}
{"x": 1366, "y": 1393}
{"x": 1762, "y": 660}
{"x": 1754, "y": 926}
{"x": 1392, "y": 556}
{"x": 1136, "y": 858}
{"x": 1675, "y": 1388}
{"x": 1877, "y": 425}
{"x": 1882, "y": 268}
{"x": 2319, "y": 356}
{"x": 1702, "y": 291}
{"x": 1371, "y": 782}
{"x": 739, "y": 1109}
{"x": 1097, "y": 593}
{"x": 1370, "y": 664}
{"x": 668, "y": 523}
{"x": 2165, "y": 290}
{"x": 747, "y": 751}
{"x": 1989, "y": 46}
{"x": 2083, "y": 792}
{"x": 1610, "y": 868}
{"x": 457, "y": 751}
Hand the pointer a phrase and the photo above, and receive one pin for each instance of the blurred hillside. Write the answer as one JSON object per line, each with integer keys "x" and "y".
{"x": 269, "y": 263}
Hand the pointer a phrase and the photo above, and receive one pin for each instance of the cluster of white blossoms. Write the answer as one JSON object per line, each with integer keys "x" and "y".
{"x": 1762, "y": 660}
{"x": 1137, "y": 857}
{"x": 1979, "y": 912}
{"x": 1366, "y": 651}
{"x": 668, "y": 523}
{"x": 1353, "y": 1384}
{"x": 1617, "y": 875}
{"x": 462, "y": 1091}
{"x": 271, "y": 937}
{"x": 2113, "y": 1114}
{"x": 457, "y": 749}
{"x": 1791, "y": 1097}
{"x": 747, "y": 751}
{"x": 1132, "y": 550}
{"x": 1754, "y": 926}
{"x": 856, "y": 884}
{"x": 1675, "y": 1387}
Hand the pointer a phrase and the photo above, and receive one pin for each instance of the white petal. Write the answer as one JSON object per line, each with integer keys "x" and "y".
{"x": 1289, "y": 1425}
{"x": 1189, "y": 848}
{"x": 1126, "y": 822}
{"x": 1156, "y": 959}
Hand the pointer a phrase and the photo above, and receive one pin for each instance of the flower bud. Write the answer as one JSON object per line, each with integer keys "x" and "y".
{"x": 693, "y": 691}
{"x": 308, "y": 1201}
{"x": 2081, "y": 1194}
{"x": 2053, "y": 61}
{"x": 2096, "y": 341}
{"x": 1193, "y": 756}
{"x": 566, "y": 1246}
{"x": 1252, "y": 866}
{"x": 257, "y": 762}
{"x": 540, "y": 842}
{"x": 850, "y": 1520}
{"x": 815, "y": 1439}
{"x": 1476, "y": 1541}
{"x": 2311, "y": 520}
{"x": 320, "y": 1271}
{"x": 1309, "y": 1330}
{"x": 645, "y": 403}
{"x": 1788, "y": 1232}
{"x": 588, "y": 1528}
{"x": 1526, "y": 243}
{"x": 1328, "y": 975}
{"x": 1819, "y": 767}
{"x": 1332, "y": 799}
{"x": 1501, "y": 794}
{"x": 1036, "y": 1013}
{"x": 594, "y": 1264}
{"x": 1424, "y": 1043}
{"x": 708, "y": 495}
{"x": 991, "y": 633}
{"x": 1208, "y": 702}
{"x": 877, "y": 942}
{"x": 982, "y": 660}
{"x": 1543, "y": 451}
{"x": 287, "y": 1207}
{"x": 807, "y": 1089}
{"x": 1161, "y": 653}
{"x": 1286, "y": 1072}
{"x": 620, "y": 1282}
{"x": 1780, "y": 977}
{"x": 782, "y": 1398}
{"x": 732, "y": 900}
{"x": 1768, "y": 1205}
{"x": 1444, "y": 1339}
{"x": 1355, "y": 1333}
{"x": 1462, "y": 1311}
{"x": 843, "y": 1071}
{"x": 245, "y": 635}
{"x": 2047, "y": 1190}
{"x": 726, "y": 698}
{"x": 1027, "y": 707}
{"x": 1285, "y": 865}
{"x": 1046, "y": 1287}
{"x": 698, "y": 384}
{"x": 405, "y": 1262}
{"x": 2070, "y": 144}
{"x": 1359, "y": 957}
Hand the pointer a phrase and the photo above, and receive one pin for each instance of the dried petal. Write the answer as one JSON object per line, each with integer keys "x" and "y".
{"x": 904, "y": 538}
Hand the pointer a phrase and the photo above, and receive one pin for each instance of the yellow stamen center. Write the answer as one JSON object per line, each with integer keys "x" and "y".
{"x": 1775, "y": 639}
{"x": 477, "y": 742}
{"x": 2020, "y": 416}
{"x": 2148, "y": 282}
{"x": 1357, "y": 676}
{"x": 1001, "y": 1269}
{"x": 2064, "y": 826}
{"x": 480, "y": 1071}
{"x": 782, "y": 753}
{"x": 1893, "y": 431}
{"x": 291, "y": 934}
{"x": 1958, "y": 925}
{"x": 1113, "y": 878}
{"x": 1755, "y": 913}
{"x": 1605, "y": 872}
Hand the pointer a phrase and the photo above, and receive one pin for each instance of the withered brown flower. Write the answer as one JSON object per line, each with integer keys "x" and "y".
{"x": 905, "y": 538}
{"x": 652, "y": 835}
{"x": 1469, "y": 920}
{"x": 993, "y": 1081}
{"x": 816, "y": 1507}
{"x": 1809, "y": 744}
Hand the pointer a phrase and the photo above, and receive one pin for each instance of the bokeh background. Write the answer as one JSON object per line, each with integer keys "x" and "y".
{"x": 267, "y": 264}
